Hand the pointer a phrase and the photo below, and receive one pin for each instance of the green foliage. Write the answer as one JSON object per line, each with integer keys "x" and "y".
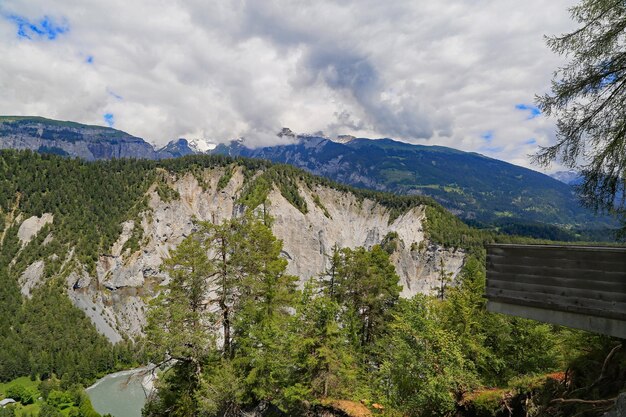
{"x": 179, "y": 323}
{"x": 500, "y": 347}
{"x": 165, "y": 192}
{"x": 89, "y": 201}
{"x": 328, "y": 366}
{"x": 48, "y": 410}
{"x": 77, "y": 351}
{"x": 221, "y": 388}
{"x": 7, "y": 412}
{"x": 366, "y": 283}
{"x": 225, "y": 178}
{"x": 318, "y": 203}
{"x": 347, "y": 335}
{"x": 390, "y": 242}
{"x": 20, "y": 393}
{"x": 424, "y": 364}
{"x": 48, "y": 398}
{"x": 587, "y": 99}
{"x": 60, "y": 399}
{"x": 251, "y": 293}
{"x": 488, "y": 403}
{"x": 444, "y": 228}
{"x": 256, "y": 192}
{"x": 46, "y": 334}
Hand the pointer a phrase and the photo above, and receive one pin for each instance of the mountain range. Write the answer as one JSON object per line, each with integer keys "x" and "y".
{"x": 481, "y": 190}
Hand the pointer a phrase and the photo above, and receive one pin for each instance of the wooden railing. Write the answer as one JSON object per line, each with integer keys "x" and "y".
{"x": 576, "y": 286}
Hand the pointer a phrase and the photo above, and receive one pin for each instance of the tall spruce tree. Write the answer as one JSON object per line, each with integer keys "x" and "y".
{"x": 588, "y": 99}
{"x": 180, "y": 329}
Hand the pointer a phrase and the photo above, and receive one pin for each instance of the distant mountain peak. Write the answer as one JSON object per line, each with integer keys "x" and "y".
{"x": 344, "y": 138}
{"x": 285, "y": 131}
{"x": 484, "y": 190}
{"x": 201, "y": 145}
{"x": 569, "y": 177}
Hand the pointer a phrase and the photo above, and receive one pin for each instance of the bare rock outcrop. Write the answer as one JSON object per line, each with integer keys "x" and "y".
{"x": 125, "y": 281}
{"x": 31, "y": 226}
{"x": 31, "y": 277}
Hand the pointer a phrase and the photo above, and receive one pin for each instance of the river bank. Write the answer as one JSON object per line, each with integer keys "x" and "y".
{"x": 122, "y": 394}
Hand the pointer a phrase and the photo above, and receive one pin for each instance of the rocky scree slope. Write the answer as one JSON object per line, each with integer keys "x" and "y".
{"x": 114, "y": 286}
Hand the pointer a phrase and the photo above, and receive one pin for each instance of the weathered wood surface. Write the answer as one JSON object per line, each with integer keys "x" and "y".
{"x": 574, "y": 280}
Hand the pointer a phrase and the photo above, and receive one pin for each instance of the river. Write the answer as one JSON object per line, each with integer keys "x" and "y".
{"x": 122, "y": 394}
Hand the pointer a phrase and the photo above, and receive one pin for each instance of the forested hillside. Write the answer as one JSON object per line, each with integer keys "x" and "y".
{"x": 346, "y": 339}
{"x": 483, "y": 191}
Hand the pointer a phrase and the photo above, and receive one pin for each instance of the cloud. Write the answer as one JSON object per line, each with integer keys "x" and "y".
{"x": 419, "y": 71}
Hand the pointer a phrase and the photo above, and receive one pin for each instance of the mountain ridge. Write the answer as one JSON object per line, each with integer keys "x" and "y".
{"x": 481, "y": 190}
{"x": 477, "y": 188}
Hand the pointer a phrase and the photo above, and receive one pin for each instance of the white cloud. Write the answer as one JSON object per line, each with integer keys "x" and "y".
{"x": 422, "y": 71}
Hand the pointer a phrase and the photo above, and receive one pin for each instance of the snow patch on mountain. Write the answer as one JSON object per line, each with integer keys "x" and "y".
{"x": 570, "y": 177}
{"x": 201, "y": 145}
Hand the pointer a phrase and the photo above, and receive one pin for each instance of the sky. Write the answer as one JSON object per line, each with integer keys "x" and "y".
{"x": 458, "y": 73}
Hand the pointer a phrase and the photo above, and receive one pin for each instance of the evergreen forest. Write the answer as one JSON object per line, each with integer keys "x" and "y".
{"x": 233, "y": 333}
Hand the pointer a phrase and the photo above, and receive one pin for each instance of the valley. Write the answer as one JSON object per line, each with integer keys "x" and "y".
{"x": 92, "y": 239}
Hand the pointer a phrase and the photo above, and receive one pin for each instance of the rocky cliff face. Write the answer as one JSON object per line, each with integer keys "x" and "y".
{"x": 469, "y": 185}
{"x": 115, "y": 296}
{"x": 72, "y": 139}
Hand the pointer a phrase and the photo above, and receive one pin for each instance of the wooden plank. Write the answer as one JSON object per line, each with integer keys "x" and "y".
{"x": 573, "y": 281}
{"x": 592, "y": 263}
{"x": 573, "y": 304}
{"x": 565, "y": 282}
{"x": 550, "y": 248}
{"x": 562, "y": 291}
{"x": 538, "y": 270}
{"x": 538, "y": 304}
{"x": 618, "y": 257}
{"x": 602, "y": 325}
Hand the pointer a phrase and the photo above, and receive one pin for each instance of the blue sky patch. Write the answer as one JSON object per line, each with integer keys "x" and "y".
{"x": 109, "y": 119}
{"x": 44, "y": 28}
{"x": 531, "y": 141}
{"x": 534, "y": 110}
{"x": 487, "y": 136}
{"x": 608, "y": 80}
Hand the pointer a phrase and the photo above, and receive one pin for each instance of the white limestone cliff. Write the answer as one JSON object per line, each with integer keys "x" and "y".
{"x": 116, "y": 297}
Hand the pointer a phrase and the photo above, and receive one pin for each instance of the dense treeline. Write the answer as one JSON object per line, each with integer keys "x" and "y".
{"x": 46, "y": 335}
{"x": 347, "y": 335}
{"x": 46, "y": 398}
{"x": 43, "y": 335}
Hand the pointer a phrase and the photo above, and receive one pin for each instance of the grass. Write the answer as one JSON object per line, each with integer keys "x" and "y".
{"x": 24, "y": 381}
{"x": 28, "y": 410}
{"x": 396, "y": 175}
{"x": 23, "y": 410}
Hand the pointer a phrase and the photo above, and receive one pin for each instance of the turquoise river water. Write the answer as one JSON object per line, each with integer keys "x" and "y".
{"x": 120, "y": 394}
